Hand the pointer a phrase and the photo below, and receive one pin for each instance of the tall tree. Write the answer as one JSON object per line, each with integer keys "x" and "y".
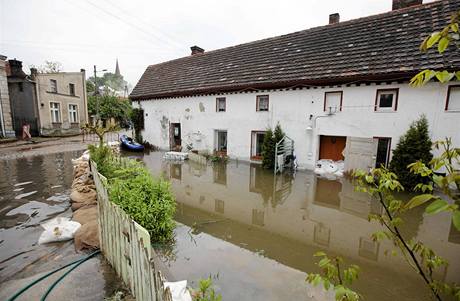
{"x": 414, "y": 145}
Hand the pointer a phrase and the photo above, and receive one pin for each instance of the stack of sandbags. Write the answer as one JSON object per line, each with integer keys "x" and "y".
{"x": 84, "y": 204}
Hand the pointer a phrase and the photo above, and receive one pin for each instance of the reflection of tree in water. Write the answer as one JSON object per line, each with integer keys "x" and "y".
{"x": 273, "y": 189}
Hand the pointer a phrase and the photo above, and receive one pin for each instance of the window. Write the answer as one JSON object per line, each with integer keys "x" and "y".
{"x": 262, "y": 103}
{"x": 72, "y": 89}
{"x": 73, "y": 113}
{"x": 453, "y": 99}
{"x": 221, "y": 141}
{"x": 386, "y": 100}
{"x": 221, "y": 104}
{"x": 383, "y": 151}
{"x": 219, "y": 206}
{"x": 257, "y": 140}
{"x": 53, "y": 85}
{"x": 21, "y": 87}
{"x": 333, "y": 101}
{"x": 55, "y": 112}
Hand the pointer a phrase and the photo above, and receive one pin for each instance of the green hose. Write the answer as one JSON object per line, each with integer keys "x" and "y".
{"x": 66, "y": 273}
{"x": 76, "y": 262}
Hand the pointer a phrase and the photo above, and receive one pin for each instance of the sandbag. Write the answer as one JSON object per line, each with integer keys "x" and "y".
{"x": 87, "y": 236}
{"x": 83, "y": 196}
{"x": 58, "y": 229}
{"x": 179, "y": 290}
{"x": 86, "y": 214}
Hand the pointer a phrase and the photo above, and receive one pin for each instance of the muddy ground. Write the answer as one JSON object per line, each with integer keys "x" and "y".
{"x": 35, "y": 180}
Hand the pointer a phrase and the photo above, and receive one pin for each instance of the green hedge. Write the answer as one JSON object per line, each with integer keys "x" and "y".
{"x": 146, "y": 199}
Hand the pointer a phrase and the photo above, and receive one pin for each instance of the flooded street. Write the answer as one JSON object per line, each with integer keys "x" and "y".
{"x": 32, "y": 190}
{"x": 256, "y": 234}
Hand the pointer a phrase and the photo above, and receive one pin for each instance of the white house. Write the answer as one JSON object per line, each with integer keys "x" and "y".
{"x": 328, "y": 87}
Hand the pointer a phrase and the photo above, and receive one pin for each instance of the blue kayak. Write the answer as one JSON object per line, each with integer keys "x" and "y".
{"x": 129, "y": 144}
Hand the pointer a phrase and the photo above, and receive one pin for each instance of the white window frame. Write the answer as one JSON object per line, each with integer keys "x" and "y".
{"x": 394, "y": 105}
{"x": 326, "y": 101}
{"x": 58, "y": 110}
{"x": 448, "y": 99}
{"x": 77, "y": 120}
{"x": 53, "y": 88}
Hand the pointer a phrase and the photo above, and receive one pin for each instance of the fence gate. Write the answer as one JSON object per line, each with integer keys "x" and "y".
{"x": 284, "y": 154}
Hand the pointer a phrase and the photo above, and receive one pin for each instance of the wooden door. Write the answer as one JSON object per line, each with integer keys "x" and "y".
{"x": 331, "y": 147}
{"x": 360, "y": 153}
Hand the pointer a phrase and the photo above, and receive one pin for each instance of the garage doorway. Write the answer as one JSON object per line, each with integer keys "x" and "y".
{"x": 331, "y": 147}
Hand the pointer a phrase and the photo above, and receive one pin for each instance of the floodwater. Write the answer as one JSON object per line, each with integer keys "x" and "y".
{"x": 256, "y": 234}
{"x": 33, "y": 190}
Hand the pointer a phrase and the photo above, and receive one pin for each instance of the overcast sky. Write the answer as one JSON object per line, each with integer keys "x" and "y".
{"x": 83, "y": 33}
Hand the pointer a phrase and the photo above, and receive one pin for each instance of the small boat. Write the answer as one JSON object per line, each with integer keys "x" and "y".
{"x": 129, "y": 144}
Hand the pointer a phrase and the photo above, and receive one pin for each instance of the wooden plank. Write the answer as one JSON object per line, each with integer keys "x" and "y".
{"x": 126, "y": 245}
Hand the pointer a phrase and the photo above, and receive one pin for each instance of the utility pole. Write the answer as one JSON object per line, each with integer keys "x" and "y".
{"x": 96, "y": 91}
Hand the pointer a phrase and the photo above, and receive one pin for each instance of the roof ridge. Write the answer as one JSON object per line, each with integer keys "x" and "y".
{"x": 342, "y": 23}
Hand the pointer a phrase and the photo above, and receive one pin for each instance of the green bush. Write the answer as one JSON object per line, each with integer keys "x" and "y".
{"x": 414, "y": 145}
{"x": 147, "y": 200}
{"x": 269, "y": 146}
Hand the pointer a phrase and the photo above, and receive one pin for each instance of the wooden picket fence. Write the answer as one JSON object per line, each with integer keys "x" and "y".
{"x": 126, "y": 245}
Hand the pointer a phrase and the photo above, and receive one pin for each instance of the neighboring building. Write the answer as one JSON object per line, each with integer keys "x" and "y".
{"x": 54, "y": 104}
{"x": 63, "y": 103}
{"x": 23, "y": 99}
{"x": 339, "y": 90}
{"x": 6, "y": 123}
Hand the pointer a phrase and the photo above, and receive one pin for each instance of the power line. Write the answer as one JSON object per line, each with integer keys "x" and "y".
{"x": 131, "y": 24}
{"x": 170, "y": 36}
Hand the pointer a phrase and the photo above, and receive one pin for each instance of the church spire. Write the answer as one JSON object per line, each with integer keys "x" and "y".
{"x": 117, "y": 69}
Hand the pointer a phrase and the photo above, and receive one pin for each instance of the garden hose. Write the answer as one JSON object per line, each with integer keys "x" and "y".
{"x": 76, "y": 262}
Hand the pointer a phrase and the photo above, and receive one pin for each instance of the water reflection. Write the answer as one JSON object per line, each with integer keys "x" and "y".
{"x": 288, "y": 219}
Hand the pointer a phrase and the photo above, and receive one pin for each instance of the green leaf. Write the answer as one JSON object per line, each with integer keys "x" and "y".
{"x": 454, "y": 27}
{"x": 444, "y": 76}
{"x": 437, "y": 206}
{"x": 319, "y": 254}
{"x": 419, "y": 200}
{"x": 323, "y": 262}
{"x": 443, "y": 44}
{"x": 435, "y": 36}
{"x": 456, "y": 219}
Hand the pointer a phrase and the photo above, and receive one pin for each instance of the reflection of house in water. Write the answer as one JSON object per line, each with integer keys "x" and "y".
{"x": 176, "y": 171}
{"x": 274, "y": 189}
{"x": 219, "y": 172}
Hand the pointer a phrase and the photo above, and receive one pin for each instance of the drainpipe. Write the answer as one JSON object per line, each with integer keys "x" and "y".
{"x": 311, "y": 128}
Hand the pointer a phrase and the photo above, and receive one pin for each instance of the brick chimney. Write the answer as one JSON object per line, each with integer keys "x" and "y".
{"x": 33, "y": 73}
{"x": 398, "y": 4}
{"x": 196, "y": 50}
{"x": 334, "y": 18}
{"x": 16, "y": 68}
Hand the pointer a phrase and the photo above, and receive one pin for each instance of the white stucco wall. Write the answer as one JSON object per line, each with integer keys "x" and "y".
{"x": 292, "y": 109}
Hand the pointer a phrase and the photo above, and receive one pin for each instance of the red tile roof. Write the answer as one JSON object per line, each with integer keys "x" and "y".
{"x": 380, "y": 47}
